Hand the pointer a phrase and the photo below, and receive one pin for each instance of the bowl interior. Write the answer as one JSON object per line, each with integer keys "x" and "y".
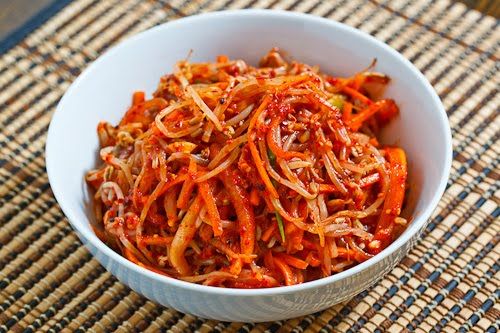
{"x": 104, "y": 91}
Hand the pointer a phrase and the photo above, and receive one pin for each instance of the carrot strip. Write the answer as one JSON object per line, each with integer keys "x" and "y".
{"x": 156, "y": 240}
{"x": 269, "y": 232}
{"x": 222, "y": 59}
{"x": 293, "y": 261}
{"x": 346, "y": 253}
{"x": 309, "y": 245}
{"x": 253, "y": 149}
{"x": 136, "y": 113}
{"x": 206, "y": 192}
{"x": 377, "y": 107}
{"x": 254, "y": 197}
{"x": 285, "y": 270}
{"x": 294, "y": 236}
{"x": 244, "y": 212}
{"x": 347, "y": 112}
{"x": 185, "y": 194}
{"x": 269, "y": 259}
{"x": 357, "y": 95}
{"x": 357, "y": 81}
{"x": 158, "y": 191}
{"x": 327, "y": 188}
{"x": 138, "y": 97}
{"x": 312, "y": 260}
{"x": 170, "y": 206}
{"x": 358, "y": 119}
{"x": 394, "y": 199}
{"x": 236, "y": 266}
{"x": 169, "y": 184}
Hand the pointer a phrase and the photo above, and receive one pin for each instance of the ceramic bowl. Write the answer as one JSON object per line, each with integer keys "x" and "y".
{"x": 103, "y": 90}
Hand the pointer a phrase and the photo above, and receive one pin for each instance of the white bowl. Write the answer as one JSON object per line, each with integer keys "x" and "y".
{"x": 103, "y": 91}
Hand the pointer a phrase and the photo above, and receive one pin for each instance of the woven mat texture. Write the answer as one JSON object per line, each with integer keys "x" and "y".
{"x": 449, "y": 282}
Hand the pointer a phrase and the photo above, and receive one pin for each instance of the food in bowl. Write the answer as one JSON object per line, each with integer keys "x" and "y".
{"x": 251, "y": 177}
{"x": 97, "y": 94}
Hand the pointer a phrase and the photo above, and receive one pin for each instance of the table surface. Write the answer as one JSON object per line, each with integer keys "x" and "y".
{"x": 13, "y": 13}
{"x": 449, "y": 282}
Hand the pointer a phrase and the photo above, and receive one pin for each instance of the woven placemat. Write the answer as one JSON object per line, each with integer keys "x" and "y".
{"x": 449, "y": 282}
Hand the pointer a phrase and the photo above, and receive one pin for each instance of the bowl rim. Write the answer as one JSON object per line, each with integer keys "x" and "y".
{"x": 87, "y": 236}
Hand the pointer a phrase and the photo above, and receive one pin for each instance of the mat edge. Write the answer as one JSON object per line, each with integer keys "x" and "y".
{"x": 34, "y": 22}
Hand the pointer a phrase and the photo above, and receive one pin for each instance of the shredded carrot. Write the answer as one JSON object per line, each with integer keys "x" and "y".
{"x": 358, "y": 120}
{"x": 156, "y": 240}
{"x": 312, "y": 260}
{"x": 254, "y": 197}
{"x": 253, "y": 149}
{"x": 357, "y": 95}
{"x": 269, "y": 232}
{"x": 185, "y": 194}
{"x": 206, "y": 192}
{"x": 293, "y": 261}
{"x": 394, "y": 199}
{"x": 285, "y": 270}
{"x": 244, "y": 211}
{"x": 138, "y": 97}
{"x": 347, "y": 112}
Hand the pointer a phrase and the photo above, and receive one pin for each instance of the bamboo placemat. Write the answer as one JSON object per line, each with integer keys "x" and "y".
{"x": 449, "y": 282}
